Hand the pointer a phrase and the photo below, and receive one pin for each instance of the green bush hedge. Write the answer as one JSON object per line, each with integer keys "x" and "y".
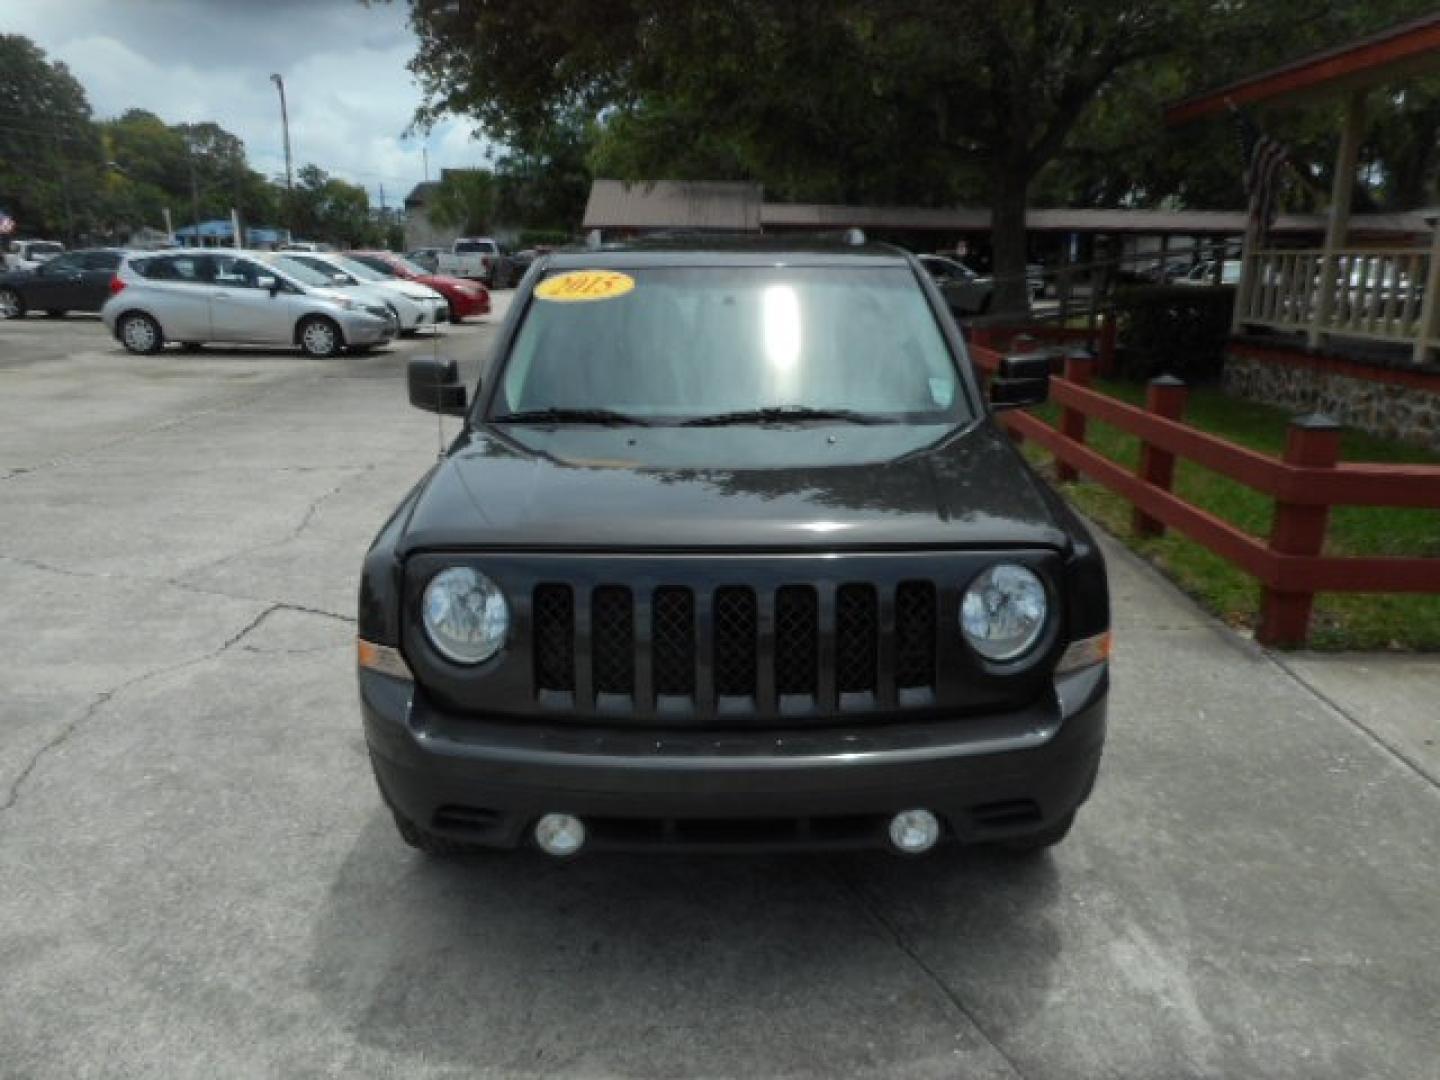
{"x": 1175, "y": 330}
{"x": 529, "y": 238}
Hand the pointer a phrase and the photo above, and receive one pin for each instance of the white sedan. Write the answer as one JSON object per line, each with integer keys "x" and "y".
{"x": 416, "y": 306}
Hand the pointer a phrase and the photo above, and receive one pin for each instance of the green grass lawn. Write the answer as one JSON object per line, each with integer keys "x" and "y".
{"x": 1341, "y": 620}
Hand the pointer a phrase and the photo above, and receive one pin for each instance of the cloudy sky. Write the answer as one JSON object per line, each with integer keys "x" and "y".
{"x": 350, "y": 95}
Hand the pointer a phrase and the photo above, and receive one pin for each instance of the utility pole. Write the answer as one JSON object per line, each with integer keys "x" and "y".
{"x": 285, "y": 128}
{"x": 194, "y": 192}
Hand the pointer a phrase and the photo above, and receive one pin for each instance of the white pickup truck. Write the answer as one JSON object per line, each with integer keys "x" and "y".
{"x": 469, "y": 257}
{"x": 29, "y": 254}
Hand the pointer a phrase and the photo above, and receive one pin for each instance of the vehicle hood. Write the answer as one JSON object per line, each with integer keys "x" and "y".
{"x": 335, "y": 296}
{"x": 820, "y": 487}
{"x": 412, "y": 289}
{"x": 445, "y": 281}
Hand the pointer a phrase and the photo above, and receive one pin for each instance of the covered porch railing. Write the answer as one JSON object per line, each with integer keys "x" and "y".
{"x": 1380, "y": 294}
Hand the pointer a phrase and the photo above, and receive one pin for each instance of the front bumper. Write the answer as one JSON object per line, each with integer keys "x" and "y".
{"x": 487, "y": 782}
{"x": 362, "y": 328}
{"x": 463, "y": 305}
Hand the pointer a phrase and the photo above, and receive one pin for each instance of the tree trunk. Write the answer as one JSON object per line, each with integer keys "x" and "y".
{"x": 1007, "y": 240}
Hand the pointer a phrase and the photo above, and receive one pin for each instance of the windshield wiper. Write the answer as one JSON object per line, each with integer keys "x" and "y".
{"x": 779, "y": 415}
{"x": 560, "y": 415}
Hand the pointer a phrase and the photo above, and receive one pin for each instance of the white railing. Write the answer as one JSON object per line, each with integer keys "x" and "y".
{"x": 1366, "y": 292}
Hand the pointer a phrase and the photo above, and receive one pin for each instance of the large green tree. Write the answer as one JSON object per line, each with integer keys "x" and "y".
{"x": 324, "y": 207}
{"x": 902, "y": 101}
{"x": 49, "y": 150}
{"x": 464, "y": 200}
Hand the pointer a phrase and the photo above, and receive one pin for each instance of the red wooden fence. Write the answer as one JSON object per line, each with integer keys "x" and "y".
{"x": 1305, "y": 483}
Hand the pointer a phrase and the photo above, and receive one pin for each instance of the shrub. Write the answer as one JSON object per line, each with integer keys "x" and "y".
{"x": 1175, "y": 330}
{"x": 530, "y": 238}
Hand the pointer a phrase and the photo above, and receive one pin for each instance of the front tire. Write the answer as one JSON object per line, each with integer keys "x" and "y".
{"x": 11, "y": 306}
{"x": 140, "y": 333}
{"x": 319, "y": 338}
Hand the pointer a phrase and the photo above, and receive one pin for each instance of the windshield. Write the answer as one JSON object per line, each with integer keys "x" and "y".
{"x": 356, "y": 269}
{"x": 689, "y": 342}
{"x": 306, "y": 275}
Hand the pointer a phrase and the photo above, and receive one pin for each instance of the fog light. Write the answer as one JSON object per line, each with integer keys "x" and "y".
{"x": 560, "y": 834}
{"x": 914, "y": 831}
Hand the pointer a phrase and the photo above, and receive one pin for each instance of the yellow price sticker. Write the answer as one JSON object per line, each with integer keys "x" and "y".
{"x": 582, "y": 285}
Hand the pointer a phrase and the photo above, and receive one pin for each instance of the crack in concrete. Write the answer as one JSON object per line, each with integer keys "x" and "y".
{"x": 176, "y": 583}
{"x": 896, "y": 937}
{"x": 140, "y": 433}
{"x": 103, "y": 698}
{"x": 1379, "y": 740}
{"x": 293, "y": 534}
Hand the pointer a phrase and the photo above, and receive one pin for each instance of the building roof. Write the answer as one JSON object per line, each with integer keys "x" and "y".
{"x": 421, "y": 192}
{"x": 666, "y": 204}
{"x": 697, "y": 207}
{"x": 1411, "y": 48}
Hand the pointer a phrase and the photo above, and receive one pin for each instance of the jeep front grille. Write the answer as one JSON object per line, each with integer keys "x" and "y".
{"x": 842, "y": 645}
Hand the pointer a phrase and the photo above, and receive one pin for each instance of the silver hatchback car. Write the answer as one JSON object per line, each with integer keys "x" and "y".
{"x": 223, "y": 295}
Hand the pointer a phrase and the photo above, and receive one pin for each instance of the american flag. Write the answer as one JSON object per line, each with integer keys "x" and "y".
{"x": 7, "y": 223}
{"x": 1263, "y": 158}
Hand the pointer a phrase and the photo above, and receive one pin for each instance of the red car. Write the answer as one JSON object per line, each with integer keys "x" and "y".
{"x": 465, "y": 298}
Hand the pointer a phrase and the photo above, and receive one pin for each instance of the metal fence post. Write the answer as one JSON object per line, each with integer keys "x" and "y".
{"x": 1080, "y": 370}
{"x": 1165, "y": 396}
{"x": 1298, "y": 529}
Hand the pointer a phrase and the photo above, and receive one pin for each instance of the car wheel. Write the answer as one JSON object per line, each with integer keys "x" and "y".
{"x": 11, "y": 306}
{"x": 320, "y": 338}
{"x": 1039, "y": 841}
{"x": 55, "y": 313}
{"x": 424, "y": 840}
{"x": 140, "y": 333}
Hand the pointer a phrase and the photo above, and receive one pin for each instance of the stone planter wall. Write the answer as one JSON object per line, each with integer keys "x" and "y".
{"x": 1391, "y": 404}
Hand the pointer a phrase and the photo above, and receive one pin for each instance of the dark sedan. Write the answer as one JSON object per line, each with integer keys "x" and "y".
{"x": 75, "y": 281}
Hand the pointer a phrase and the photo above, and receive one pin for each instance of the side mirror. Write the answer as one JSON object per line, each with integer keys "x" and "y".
{"x": 270, "y": 284}
{"x": 435, "y": 386}
{"x": 1022, "y": 381}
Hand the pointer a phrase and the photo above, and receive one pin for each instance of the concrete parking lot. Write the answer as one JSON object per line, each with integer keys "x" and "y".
{"x": 197, "y": 878}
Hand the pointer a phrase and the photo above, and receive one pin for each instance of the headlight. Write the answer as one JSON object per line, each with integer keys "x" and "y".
{"x": 1003, "y": 613}
{"x": 466, "y": 616}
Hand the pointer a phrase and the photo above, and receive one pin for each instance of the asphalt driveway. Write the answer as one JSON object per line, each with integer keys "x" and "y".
{"x": 197, "y": 878}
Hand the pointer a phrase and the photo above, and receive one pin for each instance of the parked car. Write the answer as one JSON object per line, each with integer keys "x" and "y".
{"x": 72, "y": 281}
{"x": 512, "y": 265}
{"x": 464, "y": 298}
{"x": 1163, "y": 272}
{"x": 970, "y": 293}
{"x": 196, "y": 296}
{"x": 29, "y": 254}
{"x": 732, "y": 552}
{"x": 471, "y": 257}
{"x": 1203, "y": 273}
{"x": 415, "y": 306}
{"x": 305, "y": 245}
